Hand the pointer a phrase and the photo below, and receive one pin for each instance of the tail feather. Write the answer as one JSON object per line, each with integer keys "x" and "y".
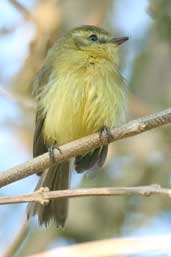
{"x": 56, "y": 178}
{"x": 91, "y": 160}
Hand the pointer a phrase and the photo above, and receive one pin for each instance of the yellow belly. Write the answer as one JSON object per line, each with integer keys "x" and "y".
{"x": 82, "y": 102}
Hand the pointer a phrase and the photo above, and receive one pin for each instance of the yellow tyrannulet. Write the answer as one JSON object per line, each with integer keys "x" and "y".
{"x": 79, "y": 91}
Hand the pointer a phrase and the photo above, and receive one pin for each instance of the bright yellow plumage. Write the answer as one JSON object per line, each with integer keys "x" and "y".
{"x": 86, "y": 95}
{"x": 79, "y": 91}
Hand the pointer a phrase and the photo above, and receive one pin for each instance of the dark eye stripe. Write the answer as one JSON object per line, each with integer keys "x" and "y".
{"x": 93, "y": 37}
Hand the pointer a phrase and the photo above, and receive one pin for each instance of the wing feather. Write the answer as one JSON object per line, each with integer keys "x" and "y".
{"x": 41, "y": 80}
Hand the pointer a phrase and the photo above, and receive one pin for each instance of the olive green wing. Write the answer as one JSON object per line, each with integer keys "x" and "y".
{"x": 91, "y": 160}
{"x": 40, "y": 81}
{"x": 39, "y": 146}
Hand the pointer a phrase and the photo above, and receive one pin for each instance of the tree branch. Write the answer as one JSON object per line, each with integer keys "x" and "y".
{"x": 26, "y": 13}
{"x": 84, "y": 145}
{"x": 25, "y": 102}
{"x": 153, "y": 245}
{"x": 19, "y": 238}
{"x": 43, "y": 195}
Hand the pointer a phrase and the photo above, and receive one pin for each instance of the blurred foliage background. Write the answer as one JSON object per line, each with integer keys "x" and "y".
{"x": 27, "y": 30}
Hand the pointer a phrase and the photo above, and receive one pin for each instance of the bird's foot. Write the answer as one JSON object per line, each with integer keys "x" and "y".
{"x": 107, "y": 133}
{"x": 51, "y": 152}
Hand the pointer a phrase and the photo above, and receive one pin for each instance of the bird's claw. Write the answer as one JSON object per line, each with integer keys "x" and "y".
{"x": 106, "y": 132}
{"x": 51, "y": 152}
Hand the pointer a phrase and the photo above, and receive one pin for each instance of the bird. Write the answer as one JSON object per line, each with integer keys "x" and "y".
{"x": 79, "y": 91}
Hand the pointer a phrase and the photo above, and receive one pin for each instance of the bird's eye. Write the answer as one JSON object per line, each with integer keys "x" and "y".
{"x": 93, "y": 37}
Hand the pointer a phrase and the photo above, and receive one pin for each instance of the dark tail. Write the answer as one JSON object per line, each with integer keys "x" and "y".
{"x": 56, "y": 178}
{"x": 91, "y": 160}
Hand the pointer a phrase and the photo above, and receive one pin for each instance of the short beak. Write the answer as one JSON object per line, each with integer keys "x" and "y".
{"x": 118, "y": 40}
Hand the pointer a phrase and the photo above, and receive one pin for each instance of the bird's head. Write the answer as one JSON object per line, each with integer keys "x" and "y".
{"x": 93, "y": 40}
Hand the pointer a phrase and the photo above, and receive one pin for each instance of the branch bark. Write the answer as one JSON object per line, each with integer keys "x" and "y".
{"x": 22, "y": 9}
{"x": 43, "y": 195}
{"x": 19, "y": 238}
{"x": 114, "y": 247}
{"x": 83, "y": 145}
{"x": 25, "y": 102}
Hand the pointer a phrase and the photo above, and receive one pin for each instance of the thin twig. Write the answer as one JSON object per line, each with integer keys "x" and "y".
{"x": 114, "y": 247}
{"x": 12, "y": 249}
{"x": 84, "y": 145}
{"x": 26, "y": 13}
{"x": 25, "y": 102}
{"x": 6, "y": 30}
{"x": 43, "y": 195}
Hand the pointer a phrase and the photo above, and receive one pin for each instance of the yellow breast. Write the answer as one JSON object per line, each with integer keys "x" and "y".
{"x": 81, "y": 101}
